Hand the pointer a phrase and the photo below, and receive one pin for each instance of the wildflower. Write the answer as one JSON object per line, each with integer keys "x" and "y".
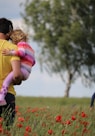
{"x": 73, "y": 118}
{"x": 19, "y": 125}
{"x": 85, "y": 123}
{"x": 68, "y": 122}
{"x": 28, "y": 129}
{"x": 34, "y": 110}
{"x": 58, "y": 118}
{"x": 83, "y": 115}
{"x": 21, "y": 119}
{"x": 50, "y": 131}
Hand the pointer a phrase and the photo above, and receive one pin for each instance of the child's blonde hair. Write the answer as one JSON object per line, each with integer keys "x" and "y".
{"x": 17, "y": 36}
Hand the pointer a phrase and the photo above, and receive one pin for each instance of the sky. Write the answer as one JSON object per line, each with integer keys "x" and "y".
{"x": 39, "y": 83}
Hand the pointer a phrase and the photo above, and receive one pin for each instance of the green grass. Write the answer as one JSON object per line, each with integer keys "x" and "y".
{"x": 51, "y": 101}
{"x": 45, "y": 116}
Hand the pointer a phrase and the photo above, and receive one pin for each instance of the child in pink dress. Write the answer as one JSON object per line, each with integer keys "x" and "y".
{"x": 26, "y": 53}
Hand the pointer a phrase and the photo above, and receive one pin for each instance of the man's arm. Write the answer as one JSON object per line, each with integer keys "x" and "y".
{"x": 17, "y": 76}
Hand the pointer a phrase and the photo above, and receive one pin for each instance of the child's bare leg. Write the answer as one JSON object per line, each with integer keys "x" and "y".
{"x": 4, "y": 89}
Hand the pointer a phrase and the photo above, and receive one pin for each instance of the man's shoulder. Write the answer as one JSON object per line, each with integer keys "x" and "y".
{"x": 7, "y": 44}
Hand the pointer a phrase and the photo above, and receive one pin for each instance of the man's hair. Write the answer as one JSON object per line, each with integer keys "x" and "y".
{"x": 6, "y": 26}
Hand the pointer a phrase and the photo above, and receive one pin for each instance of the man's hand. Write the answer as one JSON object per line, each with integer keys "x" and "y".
{"x": 16, "y": 81}
{"x": 17, "y": 74}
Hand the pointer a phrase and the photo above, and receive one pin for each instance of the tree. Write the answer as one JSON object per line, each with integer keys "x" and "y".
{"x": 64, "y": 30}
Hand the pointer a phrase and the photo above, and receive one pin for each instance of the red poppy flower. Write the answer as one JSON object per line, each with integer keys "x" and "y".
{"x": 58, "y": 118}
{"x": 19, "y": 125}
{"x": 68, "y": 122}
{"x": 83, "y": 115}
{"x": 28, "y": 129}
{"x": 85, "y": 123}
{"x": 73, "y": 118}
{"x": 34, "y": 110}
{"x": 50, "y": 131}
{"x": 21, "y": 119}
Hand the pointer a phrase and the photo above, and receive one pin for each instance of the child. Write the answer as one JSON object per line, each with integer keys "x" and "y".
{"x": 25, "y": 52}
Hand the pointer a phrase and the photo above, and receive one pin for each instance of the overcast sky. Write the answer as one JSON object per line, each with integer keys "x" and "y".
{"x": 39, "y": 84}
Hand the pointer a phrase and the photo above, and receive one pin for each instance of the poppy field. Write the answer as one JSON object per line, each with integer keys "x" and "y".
{"x": 52, "y": 117}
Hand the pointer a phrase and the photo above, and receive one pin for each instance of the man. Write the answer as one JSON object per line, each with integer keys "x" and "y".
{"x": 8, "y": 64}
{"x": 92, "y": 101}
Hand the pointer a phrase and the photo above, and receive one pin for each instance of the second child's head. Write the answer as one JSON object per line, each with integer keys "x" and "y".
{"x": 17, "y": 36}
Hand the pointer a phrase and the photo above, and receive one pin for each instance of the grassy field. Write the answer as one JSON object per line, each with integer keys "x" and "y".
{"x": 51, "y": 101}
{"x": 43, "y": 116}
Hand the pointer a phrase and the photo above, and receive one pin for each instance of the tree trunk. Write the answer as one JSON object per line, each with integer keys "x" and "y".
{"x": 68, "y": 85}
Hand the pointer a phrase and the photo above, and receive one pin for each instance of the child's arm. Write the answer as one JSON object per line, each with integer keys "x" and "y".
{"x": 20, "y": 52}
{"x": 6, "y": 52}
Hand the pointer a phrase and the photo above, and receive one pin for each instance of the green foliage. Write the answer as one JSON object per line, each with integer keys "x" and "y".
{"x": 65, "y": 32}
